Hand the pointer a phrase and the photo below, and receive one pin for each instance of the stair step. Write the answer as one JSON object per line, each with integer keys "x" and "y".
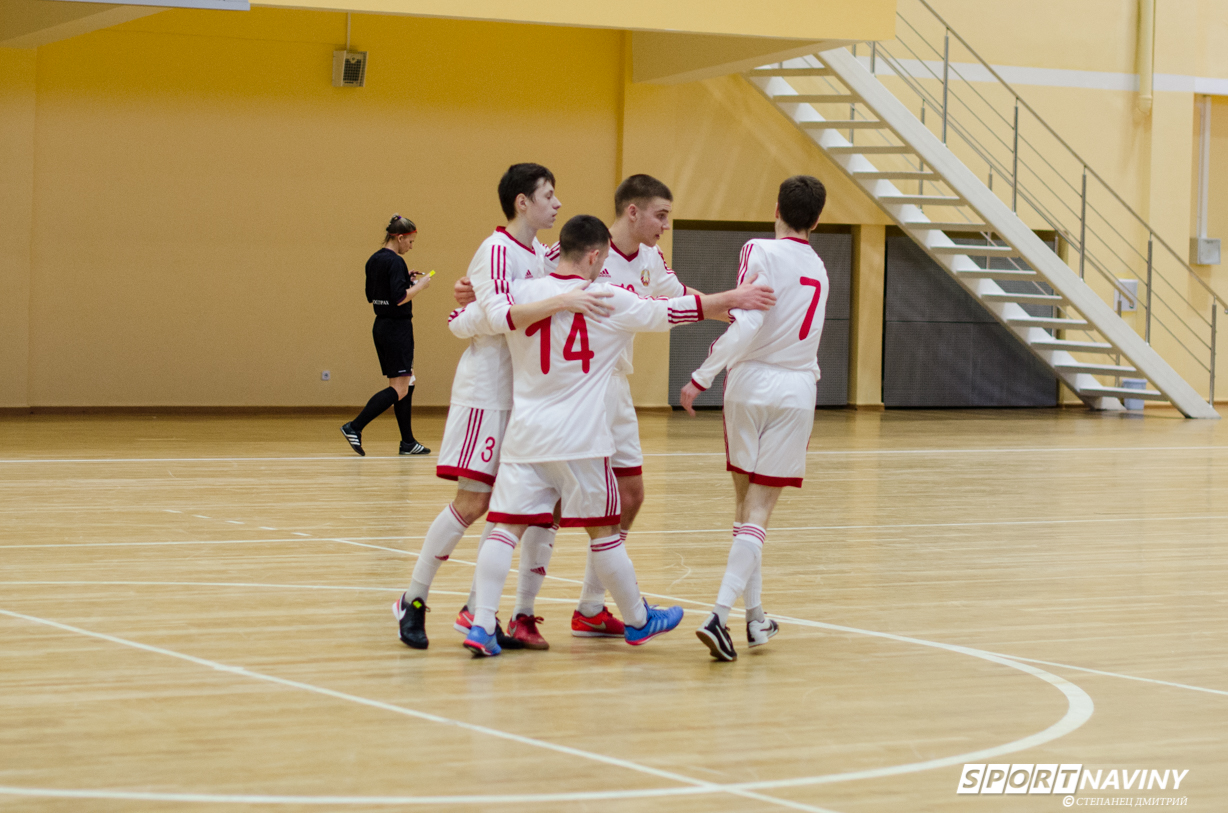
{"x": 1048, "y": 322}
{"x": 1123, "y": 393}
{"x": 818, "y": 98}
{"x": 1031, "y": 299}
{"x": 996, "y": 273}
{"x": 880, "y": 149}
{"x": 1097, "y": 369}
{"x": 922, "y": 200}
{"x": 949, "y": 225}
{"x": 791, "y": 72}
{"x": 900, "y": 175}
{"x": 976, "y": 251}
{"x": 836, "y": 124}
{"x": 1073, "y": 346}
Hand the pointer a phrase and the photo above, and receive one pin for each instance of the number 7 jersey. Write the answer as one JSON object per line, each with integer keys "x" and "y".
{"x": 787, "y": 335}
{"x": 563, "y": 364}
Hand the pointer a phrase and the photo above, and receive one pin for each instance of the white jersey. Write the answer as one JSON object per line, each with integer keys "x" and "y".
{"x": 484, "y": 375}
{"x": 563, "y": 365}
{"x": 644, "y": 273}
{"x": 787, "y": 335}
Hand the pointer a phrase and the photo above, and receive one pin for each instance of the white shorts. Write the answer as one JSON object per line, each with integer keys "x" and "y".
{"x": 768, "y": 441}
{"x": 472, "y": 439}
{"x": 527, "y": 492}
{"x": 628, "y": 459}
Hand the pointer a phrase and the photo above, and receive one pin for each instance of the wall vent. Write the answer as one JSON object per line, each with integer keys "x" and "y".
{"x": 349, "y": 69}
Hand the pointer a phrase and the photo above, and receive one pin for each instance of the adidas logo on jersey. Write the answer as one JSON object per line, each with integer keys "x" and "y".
{"x": 603, "y": 273}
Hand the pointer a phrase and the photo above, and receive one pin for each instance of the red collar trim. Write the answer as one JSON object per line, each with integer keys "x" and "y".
{"x": 514, "y": 240}
{"x": 626, "y": 257}
{"x": 798, "y": 240}
{"x": 568, "y": 276}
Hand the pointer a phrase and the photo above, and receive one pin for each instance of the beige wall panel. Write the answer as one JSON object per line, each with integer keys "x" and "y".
{"x": 801, "y": 19}
{"x": 221, "y": 197}
{"x": 17, "y": 106}
{"x": 723, "y": 150}
{"x": 1217, "y": 224}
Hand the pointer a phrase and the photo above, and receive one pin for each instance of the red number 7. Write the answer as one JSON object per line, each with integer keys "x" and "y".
{"x": 814, "y": 303}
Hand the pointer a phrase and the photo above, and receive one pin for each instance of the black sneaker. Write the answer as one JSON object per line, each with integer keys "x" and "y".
{"x": 354, "y": 437}
{"x": 715, "y": 636}
{"x": 506, "y": 641}
{"x": 412, "y": 620}
{"x": 414, "y": 448}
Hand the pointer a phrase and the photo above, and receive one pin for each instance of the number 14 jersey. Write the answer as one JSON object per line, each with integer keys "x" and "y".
{"x": 562, "y": 366}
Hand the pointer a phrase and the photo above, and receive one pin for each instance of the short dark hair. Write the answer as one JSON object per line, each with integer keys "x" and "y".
{"x": 580, "y": 235}
{"x": 801, "y": 201}
{"x": 638, "y": 188}
{"x": 520, "y": 179}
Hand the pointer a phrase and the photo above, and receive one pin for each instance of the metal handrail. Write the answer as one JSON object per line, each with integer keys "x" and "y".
{"x": 1118, "y": 246}
{"x": 1087, "y": 167}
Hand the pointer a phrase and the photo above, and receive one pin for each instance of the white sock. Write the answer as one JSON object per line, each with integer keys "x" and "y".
{"x": 537, "y": 545}
{"x": 744, "y": 557}
{"x": 494, "y": 562}
{"x": 441, "y": 539}
{"x": 615, "y": 570}
{"x": 753, "y": 597}
{"x": 592, "y": 593}
{"x": 472, "y": 601}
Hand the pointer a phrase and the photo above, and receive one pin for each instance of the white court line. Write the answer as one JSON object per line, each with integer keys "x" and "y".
{"x": 547, "y": 600}
{"x": 146, "y": 544}
{"x": 1079, "y": 709}
{"x": 354, "y": 540}
{"x": 434, "y": 591}
{"x": 695, "y": 785}
{"x": 828, "y": 452}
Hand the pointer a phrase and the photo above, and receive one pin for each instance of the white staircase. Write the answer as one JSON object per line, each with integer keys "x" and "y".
{"x": 945, "y": 199}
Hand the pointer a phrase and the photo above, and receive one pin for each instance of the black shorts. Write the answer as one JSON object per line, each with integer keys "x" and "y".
{"x": 394, "y": 343}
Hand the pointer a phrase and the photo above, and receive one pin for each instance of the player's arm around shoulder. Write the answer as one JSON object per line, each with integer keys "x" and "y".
{"x": 467, "y": 322}
{"x": 532, "y": 305}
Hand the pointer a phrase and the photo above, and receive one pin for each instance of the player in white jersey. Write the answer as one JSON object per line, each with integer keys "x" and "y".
{"x": 558, "y": 441}
{"x": 482, "y": 388}
{"x": 772, "y": 358}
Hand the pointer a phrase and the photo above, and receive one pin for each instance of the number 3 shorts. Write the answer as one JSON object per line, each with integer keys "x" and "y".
{"x": 471, "y": 443}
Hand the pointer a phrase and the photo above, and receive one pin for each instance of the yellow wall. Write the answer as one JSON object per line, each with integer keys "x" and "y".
{"x": 205, "y": 199}
{"x": 188, "y": 202}
{"x": 16, "y": 202}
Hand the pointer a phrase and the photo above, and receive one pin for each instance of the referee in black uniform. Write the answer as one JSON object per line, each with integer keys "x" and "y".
{"x": 391, "y": 287}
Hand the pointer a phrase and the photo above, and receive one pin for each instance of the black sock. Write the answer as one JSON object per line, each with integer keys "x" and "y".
{"x": 374, "y": 408}
{"x": 403, "y": 409}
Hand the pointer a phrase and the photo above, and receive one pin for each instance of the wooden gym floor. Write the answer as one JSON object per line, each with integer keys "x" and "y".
{"x": 195, "y": 615}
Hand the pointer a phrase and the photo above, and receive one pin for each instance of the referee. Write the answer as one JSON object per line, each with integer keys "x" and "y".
{"x": 391, "y": 287}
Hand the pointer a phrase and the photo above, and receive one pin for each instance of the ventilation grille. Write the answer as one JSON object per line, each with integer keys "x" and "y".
{"x": 349, "y": 69}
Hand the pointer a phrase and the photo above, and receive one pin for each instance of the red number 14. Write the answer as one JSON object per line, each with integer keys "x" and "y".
{"x": 577, "y": 336}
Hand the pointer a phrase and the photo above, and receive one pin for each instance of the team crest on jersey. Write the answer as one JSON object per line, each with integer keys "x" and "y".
{"x": 645, "y": 275}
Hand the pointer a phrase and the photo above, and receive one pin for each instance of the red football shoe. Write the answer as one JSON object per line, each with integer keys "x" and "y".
{"x": 601, "y": 625}
{"x": 464, "y": 620}
{"x": 524, "y": 629}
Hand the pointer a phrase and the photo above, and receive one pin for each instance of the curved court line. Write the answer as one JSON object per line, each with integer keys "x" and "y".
{"x": 548, "y": 600}
{"x": 696, "y": 785}
{"x": 1079, "y": 709}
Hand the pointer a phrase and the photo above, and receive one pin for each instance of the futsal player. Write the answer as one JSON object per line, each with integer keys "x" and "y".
{"x": 481, "y": 398}
{"x": 770, "y": 394}
{"x": 391, "y": 287}
{"x": 558, "y": 440}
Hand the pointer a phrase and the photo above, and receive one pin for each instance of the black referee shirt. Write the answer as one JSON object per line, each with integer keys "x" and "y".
{"x": 387, "y": 282}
